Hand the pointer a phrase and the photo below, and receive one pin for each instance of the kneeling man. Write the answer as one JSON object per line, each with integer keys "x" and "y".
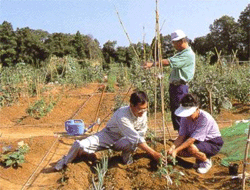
{"x": 124, "y": 132}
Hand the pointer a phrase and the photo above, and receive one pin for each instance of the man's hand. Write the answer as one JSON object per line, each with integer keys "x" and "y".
{"x": 165, "y": 62}
{"x": 157, "y": 156}
{"x": 147, "y": 65}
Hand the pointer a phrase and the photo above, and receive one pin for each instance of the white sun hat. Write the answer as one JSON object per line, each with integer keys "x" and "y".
{"x": 185, "y": 111}
{"x": 177, "y": 35}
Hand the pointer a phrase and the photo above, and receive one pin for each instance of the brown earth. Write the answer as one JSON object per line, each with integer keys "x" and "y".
{"x": 48, "y": 142}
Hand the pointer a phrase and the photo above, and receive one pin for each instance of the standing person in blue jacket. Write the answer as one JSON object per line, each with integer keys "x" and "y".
{"x": 124, "y": 132}
{"x": 183, "y": 69}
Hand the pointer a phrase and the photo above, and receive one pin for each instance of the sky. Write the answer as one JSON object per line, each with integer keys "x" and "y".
{"x": 99, "y": 18}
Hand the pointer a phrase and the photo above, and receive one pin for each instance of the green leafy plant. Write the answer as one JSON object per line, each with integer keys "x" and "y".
{"x": 16, "y": 158}
{"x": 101, "y": 169}
{"x": 40, "y": 108}
{"x": 151, "y": 137}
{"x": 112, "y": 79}
{"x": 167, "y": 171}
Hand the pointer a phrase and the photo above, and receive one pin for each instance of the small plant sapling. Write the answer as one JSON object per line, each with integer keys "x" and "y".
{"x": 167, "y": 170}
{"x": 101, "y": 169}
{"x": 16, "y": 158}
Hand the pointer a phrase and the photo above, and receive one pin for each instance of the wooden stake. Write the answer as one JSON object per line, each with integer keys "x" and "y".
{"x": 219, "y": 59}
{"x": 209, "y": 87}
{"x": 98, "y": 108}
{"x": 155, "y": 74}
{"x": 161, "y": 76}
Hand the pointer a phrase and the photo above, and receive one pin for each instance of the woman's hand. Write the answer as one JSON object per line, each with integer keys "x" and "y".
{"x": 170, "y": 151}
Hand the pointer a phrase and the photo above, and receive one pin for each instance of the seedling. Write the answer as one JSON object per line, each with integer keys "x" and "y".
{"x": 101, "y": 169}
{"x": 167, "y": 171}
{"x": 40, "y": 108}
{"x": 16, "y": 158}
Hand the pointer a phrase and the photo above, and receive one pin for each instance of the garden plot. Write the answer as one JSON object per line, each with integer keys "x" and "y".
{"x": 48, "y": 143}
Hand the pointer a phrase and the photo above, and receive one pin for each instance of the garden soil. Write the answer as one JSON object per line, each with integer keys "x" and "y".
{"x": 48, "y": 142}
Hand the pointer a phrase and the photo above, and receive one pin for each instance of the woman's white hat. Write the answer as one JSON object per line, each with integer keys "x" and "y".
{"x": 185, "y": 111}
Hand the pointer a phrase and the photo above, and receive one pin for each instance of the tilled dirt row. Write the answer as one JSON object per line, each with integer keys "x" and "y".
{"x": 48, "y": 142}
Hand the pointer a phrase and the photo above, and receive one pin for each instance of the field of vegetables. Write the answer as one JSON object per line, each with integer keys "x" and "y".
{"x": 35, "y": 103}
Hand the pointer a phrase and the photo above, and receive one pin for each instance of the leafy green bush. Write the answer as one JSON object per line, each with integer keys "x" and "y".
{"x": 16, "y": 158}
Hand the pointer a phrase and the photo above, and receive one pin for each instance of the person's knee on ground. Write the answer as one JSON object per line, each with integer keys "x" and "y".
{"x": 89, "y": 156}
{"x": 72, "y": 154}
{"x": 127, "y": 149}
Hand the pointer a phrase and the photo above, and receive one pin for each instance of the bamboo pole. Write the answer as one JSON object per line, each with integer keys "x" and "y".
{"x": 209, "y": 87}
{"x": 161, "y": 76}
{"x": 169, "y": 180}
{"x": 219, "y": 62}
{"x": 98, "y": 108}
{"x": 155, "y": 60}
{"x": 126, "y": 32}
{"x": 245, "y": 161}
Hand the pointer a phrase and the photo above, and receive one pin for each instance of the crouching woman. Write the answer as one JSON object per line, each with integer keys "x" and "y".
{"x": 199, "y": 134}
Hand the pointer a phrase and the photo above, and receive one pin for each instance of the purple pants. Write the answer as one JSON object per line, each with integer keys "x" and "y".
{"x": 211, "y": 147}
{"x": 176, "y": 93}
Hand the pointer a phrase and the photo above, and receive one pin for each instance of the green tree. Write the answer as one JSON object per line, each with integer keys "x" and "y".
{"x": 30, "y": 46}
{"x": 167, "y": 47}
{"x": 60, "y": 44}
{"x": 201, "y": 45}
{"x": 79, "y": 45}
{"x": 7, "y": 44}
{"x": 121, "y": 54}
{"x": 244, "y": 22}
{"x": 224, "y": 34}
{"x": 109, "y": 52}
{"x": 93, "y": 48}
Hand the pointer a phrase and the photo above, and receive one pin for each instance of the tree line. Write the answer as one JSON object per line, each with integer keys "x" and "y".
{"x": 34, "y": 47}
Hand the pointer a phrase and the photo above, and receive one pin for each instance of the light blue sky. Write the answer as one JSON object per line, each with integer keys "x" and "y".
{"x": 99, "y": 19}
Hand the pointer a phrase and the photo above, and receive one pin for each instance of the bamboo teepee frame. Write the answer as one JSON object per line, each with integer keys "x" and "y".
{"x": 158, "y": 59}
